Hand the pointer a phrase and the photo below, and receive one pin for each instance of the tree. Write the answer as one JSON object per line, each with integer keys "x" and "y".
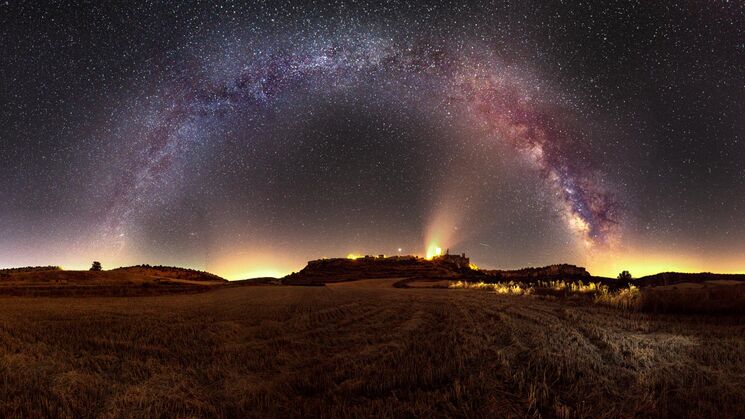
{"x": 624, "y": 276}
{"x": 96, "y": 266}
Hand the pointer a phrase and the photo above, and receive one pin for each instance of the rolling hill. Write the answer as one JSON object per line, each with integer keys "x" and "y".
{"x": 131, "y": 281}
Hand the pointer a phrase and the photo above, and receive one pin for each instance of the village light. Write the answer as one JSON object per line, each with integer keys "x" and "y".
{"x": 433, "y": 251}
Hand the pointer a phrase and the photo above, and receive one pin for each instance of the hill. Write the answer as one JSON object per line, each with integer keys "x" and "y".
{"x": 672, "y": 278}
{"x": 550, "y": 272}
{"x": 7, "y": 271}
{"x": 334, "y": 270}
{"x": 322, "y": 271}
{"x": 119, "y": 282}
{"x": 171, "y": 272}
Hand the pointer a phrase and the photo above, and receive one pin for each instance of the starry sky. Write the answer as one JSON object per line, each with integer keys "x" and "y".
{"x": 246, "y": 138}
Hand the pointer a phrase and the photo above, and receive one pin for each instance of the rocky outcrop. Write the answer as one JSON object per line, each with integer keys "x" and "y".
{"x": 550, "y": 272}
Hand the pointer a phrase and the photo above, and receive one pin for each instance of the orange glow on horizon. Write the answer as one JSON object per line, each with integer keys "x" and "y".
{"x": 235, "y": 263}
{"x": 253, "y": 263}
{"x": 258, "y": 273}
{"x": 649, "y": 262}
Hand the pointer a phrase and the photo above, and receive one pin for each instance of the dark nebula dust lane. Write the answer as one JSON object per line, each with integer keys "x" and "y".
{"x": 246, "y": 138}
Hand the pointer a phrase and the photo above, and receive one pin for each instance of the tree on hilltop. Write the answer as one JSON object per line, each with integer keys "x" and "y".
{"x": 96, "y": 266}
{"x": 625, "y": 276}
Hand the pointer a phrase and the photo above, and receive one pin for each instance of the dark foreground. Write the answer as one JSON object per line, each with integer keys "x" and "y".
{"x": 361, "y": 350}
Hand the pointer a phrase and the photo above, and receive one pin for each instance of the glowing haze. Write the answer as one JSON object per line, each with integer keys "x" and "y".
{"x": 277, "y": 135}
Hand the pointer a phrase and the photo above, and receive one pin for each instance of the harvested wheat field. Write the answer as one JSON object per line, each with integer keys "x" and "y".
{"x": 351, "y": 351}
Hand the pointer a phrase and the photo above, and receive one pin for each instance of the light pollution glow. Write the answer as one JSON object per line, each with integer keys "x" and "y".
{"x": 641, "y": 262}
{"x": 433, "y": 251}
{"x": 234, "y": 262}
{"x": 606, "y": 265}
{"x": 243, "y": 264}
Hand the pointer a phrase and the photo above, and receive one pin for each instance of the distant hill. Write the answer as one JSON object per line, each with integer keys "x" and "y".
{"x": 171, "y": 272}
{"x": 672, "y": 278}
{"x": 133, "y": 281}
{"x": 322, "y": 271}
{"x": 29, "y": 269}
{"x": 550, "y": 272}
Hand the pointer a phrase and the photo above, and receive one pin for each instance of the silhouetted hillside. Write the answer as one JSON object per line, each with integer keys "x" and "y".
{"x": 7, "y": 271}
{"x": 321, "y": 271}
{"x": 118, "y": 282}
{"x": 672, "y": 278}
{"x": 551, "y": 272}
{"x": 171, "y": 272}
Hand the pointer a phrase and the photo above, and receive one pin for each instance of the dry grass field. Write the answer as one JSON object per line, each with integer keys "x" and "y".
{"x": 365, "y": 350}
{"x": 710, "y": 296}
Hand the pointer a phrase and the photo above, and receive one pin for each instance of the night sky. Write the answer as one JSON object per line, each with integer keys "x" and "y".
{"x": 245, "y": 139}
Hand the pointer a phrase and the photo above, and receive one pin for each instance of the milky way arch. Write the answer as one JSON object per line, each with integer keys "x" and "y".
{"x": 510, "y": 107}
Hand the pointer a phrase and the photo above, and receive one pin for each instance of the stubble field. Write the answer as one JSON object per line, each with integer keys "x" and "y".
{"x": 362, "y": 350}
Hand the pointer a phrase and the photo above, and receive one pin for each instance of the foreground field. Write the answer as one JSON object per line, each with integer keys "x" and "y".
{"x": 348, "y": 351}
